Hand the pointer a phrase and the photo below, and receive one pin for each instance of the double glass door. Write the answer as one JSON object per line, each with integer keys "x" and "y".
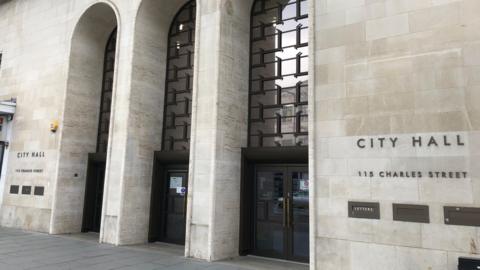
{"x": 281, "y": 212}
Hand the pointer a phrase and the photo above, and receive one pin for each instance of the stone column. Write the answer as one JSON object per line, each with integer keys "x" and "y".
{"x": 119, "y": 140}
{"x": 137, "y": 120}
{"x": 219, "y": 128}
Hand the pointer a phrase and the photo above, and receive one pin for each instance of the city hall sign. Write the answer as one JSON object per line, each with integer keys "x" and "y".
{"x": 416, "y": 141}
{"x": 433, "y": 147}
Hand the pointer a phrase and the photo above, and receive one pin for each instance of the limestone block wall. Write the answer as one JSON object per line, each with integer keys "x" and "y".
{"x": 37, "y": 39}
{"x": 402, "y": 70}
{"x": 34, "y": 72}
{"x": 381, "y": 70}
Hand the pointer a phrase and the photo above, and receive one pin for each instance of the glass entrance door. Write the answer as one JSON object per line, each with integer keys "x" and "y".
{"x": 168, "y": 204}
{"x": 299, "y": 214}
{"x": 176, "y": 202}
{"x": 281, "y": 212}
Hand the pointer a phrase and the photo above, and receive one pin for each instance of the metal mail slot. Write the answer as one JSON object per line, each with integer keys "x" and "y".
{"x": 14, "y": 189}
{"x": 466, "y": 216}
{"x": 468, "y": 263}
{"x": 26, "y": 190}
{"x": 38, "y": 191}
{"x": 411, "y": 213}
{"x": 367, "y": 210}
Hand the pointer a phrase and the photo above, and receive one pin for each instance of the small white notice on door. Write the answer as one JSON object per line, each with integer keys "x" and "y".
{"x": 181, "y": 190}
{"x": 175, "y": 181}
{"x": 304, "y": 185}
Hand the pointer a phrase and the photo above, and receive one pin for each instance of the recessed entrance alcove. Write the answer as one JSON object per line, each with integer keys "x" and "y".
{"x": 85, "y": 130}
{"x": 275, "y": 185}
{"x": 148, "y": 84}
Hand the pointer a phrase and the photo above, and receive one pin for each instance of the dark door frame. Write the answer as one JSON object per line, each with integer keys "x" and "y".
{"x": 163, "y": 163}
{"x": 3, "y": 146}
{"x": 94, "y": 160}
{"x": 251, "y": 157}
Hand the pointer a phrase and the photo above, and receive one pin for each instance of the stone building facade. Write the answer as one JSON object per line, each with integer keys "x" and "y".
{"x": 385, "y": 150}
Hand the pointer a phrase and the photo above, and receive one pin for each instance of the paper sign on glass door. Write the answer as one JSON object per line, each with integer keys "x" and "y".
{"x": 303, "y": 185}
{"x": 175, "y": 181}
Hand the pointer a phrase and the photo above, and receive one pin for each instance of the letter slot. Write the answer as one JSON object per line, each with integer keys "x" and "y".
{"x": 468, "y": 263}
{"x": 466, "y": 216}
{"x": 411, "y": 213}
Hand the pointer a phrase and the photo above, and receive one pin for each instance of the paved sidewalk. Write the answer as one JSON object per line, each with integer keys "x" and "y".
{"x": 29, "y": 250}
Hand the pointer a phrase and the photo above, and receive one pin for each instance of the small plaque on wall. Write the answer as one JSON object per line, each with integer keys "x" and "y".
{"x": 366, "y": 210}
{"x": 38, "y": 191}
{"x": 26, "y": 190}
{"x": 466, "y": 216}
{"x": 411, "y": 213}
{"x": 14, "y": 189}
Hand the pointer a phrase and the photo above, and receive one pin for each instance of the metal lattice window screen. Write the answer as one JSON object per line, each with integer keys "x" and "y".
{"x": 178, "y": 97}
{"x": 106, "y": 97}
{"x": 278, "y": 106}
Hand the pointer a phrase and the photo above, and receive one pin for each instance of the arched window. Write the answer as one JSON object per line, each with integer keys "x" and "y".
{"x": 178, "y": 90}
{"x": 106, "y": 98}
{"x": 278, "y": 102}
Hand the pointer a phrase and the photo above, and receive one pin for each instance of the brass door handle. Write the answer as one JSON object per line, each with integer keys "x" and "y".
{"x": 288, "y": 213}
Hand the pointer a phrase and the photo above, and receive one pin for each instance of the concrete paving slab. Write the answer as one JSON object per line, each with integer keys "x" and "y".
{"x": 21, "y": 250}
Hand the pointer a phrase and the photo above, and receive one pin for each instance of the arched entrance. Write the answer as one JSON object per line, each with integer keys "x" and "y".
{"x": 148, "y": 88}
{"x": 170, "y": 171}
{"x": 275, "y": 199}
{"x": 85, "y": 127}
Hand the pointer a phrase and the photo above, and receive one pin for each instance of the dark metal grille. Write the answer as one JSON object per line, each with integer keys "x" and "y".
{"x": 107, "y": 89}
{"x": 278, "y": 106}
{"x": 178, "y": 97}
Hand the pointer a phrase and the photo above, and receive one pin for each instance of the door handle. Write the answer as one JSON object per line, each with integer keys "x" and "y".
{"x": 285, "y": 212}
{"x": 288, "y": 213}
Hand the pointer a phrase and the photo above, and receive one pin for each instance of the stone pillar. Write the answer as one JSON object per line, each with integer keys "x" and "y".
{"x": 118, "y": 149}
{"x": 219, "y": 128}
{"x": 137, "y": 121}
{"x": 313, "y": 147}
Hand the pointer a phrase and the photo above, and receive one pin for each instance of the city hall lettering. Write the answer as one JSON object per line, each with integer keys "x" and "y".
{"x": 416, "y": 141}
{"x": 445, "y": 141}
{"x": 30, "y": 154}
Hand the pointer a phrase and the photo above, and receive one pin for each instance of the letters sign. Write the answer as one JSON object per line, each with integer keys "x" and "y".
{"x": 366, "y": 210}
